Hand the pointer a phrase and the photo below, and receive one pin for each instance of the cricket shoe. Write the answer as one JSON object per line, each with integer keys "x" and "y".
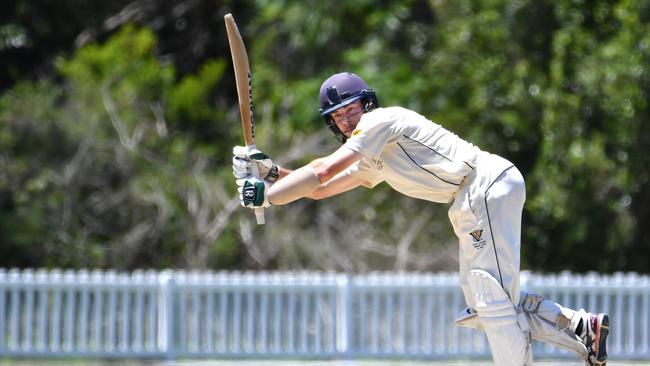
{"x": 594, "y": 336}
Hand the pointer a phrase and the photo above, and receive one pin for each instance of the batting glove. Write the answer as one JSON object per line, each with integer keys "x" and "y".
{"x": 245, "y": 163}
{"x": 252, "y": 192}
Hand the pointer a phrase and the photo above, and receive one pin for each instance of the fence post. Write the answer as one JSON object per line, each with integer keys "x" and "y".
{"x": 166, "y": 315}
{"x": 344, "y": 325}
{"x": 3, "y": 281}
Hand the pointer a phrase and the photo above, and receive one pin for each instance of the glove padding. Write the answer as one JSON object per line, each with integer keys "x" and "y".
{"x": 243, "y": 160}
{"x": 252, "y": 192}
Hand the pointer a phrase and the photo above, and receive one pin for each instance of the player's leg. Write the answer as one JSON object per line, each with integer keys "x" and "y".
{"x": 577, "y": 331}
{"x": 494, "y": 245}
{"x": 487, "y": 220}
{"x": 503, "y": 205}
{"x": 498, "y": 215}
{"x": 508, "y": 336}
{"x": 486, "y": 216}
{"x": 580, "y": 332}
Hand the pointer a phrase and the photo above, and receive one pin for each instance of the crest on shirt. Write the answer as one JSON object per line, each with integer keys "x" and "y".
{"x": 355, "y": 132}
{"x": 378, "y": 164}
{"x": 477, "y": 238}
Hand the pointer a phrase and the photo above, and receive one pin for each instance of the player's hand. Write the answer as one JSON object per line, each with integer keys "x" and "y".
{"x": 245, "y": 162}
{"x": 252, "y": 192}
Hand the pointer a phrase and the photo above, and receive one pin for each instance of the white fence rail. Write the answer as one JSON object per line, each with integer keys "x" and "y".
{"x": 285, "y": 315}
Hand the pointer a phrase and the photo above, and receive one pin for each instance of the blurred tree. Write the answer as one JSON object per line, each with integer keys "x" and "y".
{"x": 98, "y": 172}
{"x": 593, "y": 163}
{"x": 32, "y": 33}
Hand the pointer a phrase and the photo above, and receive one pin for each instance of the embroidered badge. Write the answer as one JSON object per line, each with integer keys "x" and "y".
{"x": 356, "y": 132}
{"x": 379, "y": 164}
{"x": 477, "y": 237}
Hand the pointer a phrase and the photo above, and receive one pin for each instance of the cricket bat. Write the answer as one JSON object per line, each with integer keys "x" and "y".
{"x": 244, "y": 90}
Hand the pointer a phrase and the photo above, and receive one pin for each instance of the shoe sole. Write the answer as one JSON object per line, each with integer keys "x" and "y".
{"x": 601, "y": 339}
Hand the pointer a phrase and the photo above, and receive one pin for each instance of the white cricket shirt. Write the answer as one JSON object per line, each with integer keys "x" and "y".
{"x": 415, "y": 156}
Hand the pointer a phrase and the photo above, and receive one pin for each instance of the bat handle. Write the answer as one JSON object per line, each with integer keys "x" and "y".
{"x": 259, "y": 211}
{"x": 259, "y": 215}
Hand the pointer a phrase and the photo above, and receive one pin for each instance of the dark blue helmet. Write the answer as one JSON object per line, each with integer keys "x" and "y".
{"x": 340, "y": 90}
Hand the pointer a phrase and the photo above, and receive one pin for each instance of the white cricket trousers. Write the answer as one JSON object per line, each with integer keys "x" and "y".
{"x": 486, "y": 216}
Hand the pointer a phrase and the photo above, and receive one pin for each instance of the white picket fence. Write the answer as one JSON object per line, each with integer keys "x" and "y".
{"x": 171, "y": 314}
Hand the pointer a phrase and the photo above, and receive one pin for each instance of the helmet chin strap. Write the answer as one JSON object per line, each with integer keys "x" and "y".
{"x": 348, "y": 130}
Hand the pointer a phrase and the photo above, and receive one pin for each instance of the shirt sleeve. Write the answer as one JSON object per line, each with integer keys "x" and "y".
{"x": 373, "y": 132}
{"x": 363, "y": 170}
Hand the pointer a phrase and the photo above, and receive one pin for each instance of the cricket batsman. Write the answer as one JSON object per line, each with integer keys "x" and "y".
{"x": 422, "y": 159}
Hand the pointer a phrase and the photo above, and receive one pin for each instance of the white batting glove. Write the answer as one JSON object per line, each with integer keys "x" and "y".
{"x": 252, "y": 192}
{"x": 241, "y": 163}
{"x": 243, "y": 160}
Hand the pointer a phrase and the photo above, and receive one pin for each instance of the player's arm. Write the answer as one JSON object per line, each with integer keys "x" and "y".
{"x": 341, "y": 182}
{"x": 319, "y": 179}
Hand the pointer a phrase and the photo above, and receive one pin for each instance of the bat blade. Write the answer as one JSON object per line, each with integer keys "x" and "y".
{"x": 242, "y": 78}
{"x": 244, "y": 83}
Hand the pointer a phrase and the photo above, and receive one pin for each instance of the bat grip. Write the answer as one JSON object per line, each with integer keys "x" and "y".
{"x": 259, "y": 211}
{"x": 259, "y": 215}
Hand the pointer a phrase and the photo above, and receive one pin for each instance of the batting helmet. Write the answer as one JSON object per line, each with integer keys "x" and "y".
{"x": 340, "y": 90}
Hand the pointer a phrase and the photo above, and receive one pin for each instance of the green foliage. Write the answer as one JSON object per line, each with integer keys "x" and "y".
{"x": 96, "y": 170}
{"x": 188, "y": 101}
{"x": 26, "y": 132}
{"x": 594, "y": 110}
{"x": 127, "y": 58}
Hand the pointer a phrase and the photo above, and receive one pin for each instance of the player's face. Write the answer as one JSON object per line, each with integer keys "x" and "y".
{"x": 347, "y": 118}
